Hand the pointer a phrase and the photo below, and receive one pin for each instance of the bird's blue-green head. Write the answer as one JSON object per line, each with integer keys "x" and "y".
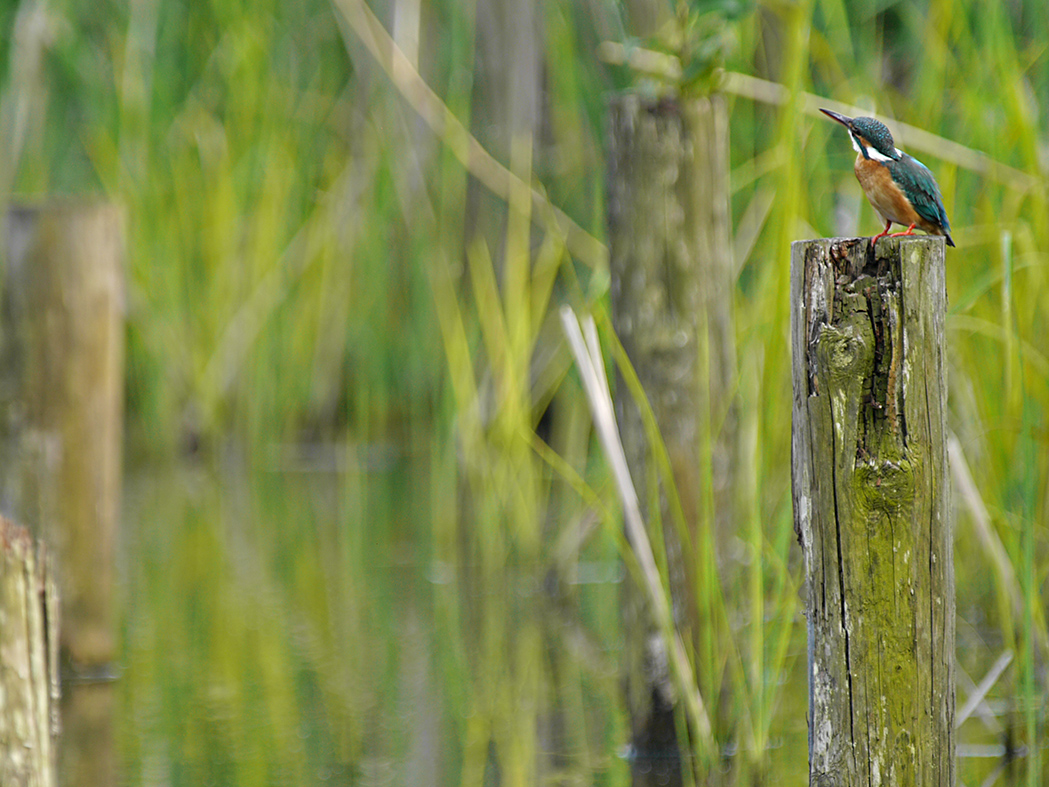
{"x": 870, "y": 137}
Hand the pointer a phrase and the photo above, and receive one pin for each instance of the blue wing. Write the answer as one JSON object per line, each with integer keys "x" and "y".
{"x": 920, "y": 187}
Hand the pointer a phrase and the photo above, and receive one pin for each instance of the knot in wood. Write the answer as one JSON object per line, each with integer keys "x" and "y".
{"x": 843, "y": 352}
{"x": 886, "y": 486}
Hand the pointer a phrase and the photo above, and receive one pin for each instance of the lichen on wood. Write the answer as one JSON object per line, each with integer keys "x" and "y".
{"x": 871, "y": 499}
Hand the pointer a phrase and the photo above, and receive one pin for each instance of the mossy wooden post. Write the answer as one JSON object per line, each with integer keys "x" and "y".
{"x": 871, "y": 494}
{"x": 668, "y": 224}
{"x": 28, "y": 661}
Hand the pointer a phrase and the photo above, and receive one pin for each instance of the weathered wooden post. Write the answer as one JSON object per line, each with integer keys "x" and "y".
{"x": 61, "y": 402}
{"x": 871, "y": 494}
{"x": 28, "y": 661}
{"x": 61, "y": 416}
{"x": 668, "y": 224}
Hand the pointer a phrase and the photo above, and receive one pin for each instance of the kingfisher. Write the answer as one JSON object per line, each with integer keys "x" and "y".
{"x": 899, "y": 187}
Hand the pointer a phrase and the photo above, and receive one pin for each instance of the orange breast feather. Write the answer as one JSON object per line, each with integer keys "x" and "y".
{"x": 884, "y": 195}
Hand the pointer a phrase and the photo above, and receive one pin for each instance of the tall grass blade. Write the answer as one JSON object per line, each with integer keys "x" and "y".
{"x": 587, "y": 353}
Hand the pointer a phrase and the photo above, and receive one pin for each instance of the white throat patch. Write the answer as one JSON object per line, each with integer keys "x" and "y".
{"x": 871, "y": 150}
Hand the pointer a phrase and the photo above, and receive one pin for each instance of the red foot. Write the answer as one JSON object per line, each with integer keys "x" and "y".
{"x": 908, "y": 231}
{"x": 882, "y": 234}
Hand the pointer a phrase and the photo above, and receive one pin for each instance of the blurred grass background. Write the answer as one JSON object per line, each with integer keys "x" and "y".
{"x": 319, "y": 256}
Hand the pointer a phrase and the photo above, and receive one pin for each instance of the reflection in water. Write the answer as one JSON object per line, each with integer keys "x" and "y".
{"x": 311, "y": 628}
{"x": 86, "y": 751}
{"x": 291, "y": 628}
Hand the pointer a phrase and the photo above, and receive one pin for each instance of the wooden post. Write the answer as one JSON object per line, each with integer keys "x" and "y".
{"x": 28, "y": 661}
{"x": 671, "y": 285}
{"x": 61, "y": 415}
{"x": 61, "y": 402}
{"x": 871, "y": 494}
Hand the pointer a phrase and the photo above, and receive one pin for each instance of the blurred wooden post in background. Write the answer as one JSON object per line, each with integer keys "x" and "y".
{"x": 871, "y": 508}
{"x": 672, "y": 292}
{"x": 62, "y": 364}
{"x": 61, "y": 400}
{"x": 29, "y": 684}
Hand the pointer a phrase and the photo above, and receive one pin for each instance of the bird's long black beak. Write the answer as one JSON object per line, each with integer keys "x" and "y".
{"x": 845, "y": 121}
